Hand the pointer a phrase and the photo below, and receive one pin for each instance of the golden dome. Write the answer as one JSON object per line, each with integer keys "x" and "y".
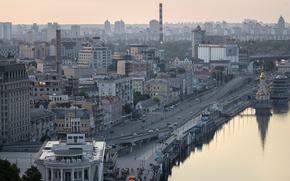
{"x": 262, "y": 75}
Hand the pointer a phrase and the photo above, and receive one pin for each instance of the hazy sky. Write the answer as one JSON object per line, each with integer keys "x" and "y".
{"x": 141, "y": 11}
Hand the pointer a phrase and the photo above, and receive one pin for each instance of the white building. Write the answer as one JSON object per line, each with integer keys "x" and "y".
{"x": 57, "y": 98}
{"x": 5, "y": 30}
{"x": 209, "y": 52}
{"x": 72, "y": 160}
{"x": 96, "y": 56}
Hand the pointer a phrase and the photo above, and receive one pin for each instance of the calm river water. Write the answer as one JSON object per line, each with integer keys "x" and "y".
{"x": 247, "y": 148}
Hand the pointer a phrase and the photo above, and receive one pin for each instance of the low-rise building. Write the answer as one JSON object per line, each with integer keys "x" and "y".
{"x": 77, "y": 71}
{"x": 73, "y": 159}
{"x": 57, "y": 98}
{"x": 138, "y": 84}
{"x": 44, "y": 85}
{"x": 147, "y": 106}
{"x": 162, "y": 89}
{"x": 73, "y": 119}
{"x": 126, "y": 67}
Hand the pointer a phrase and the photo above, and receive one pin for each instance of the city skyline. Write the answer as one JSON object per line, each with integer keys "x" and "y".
{"x": 96, "y": 12}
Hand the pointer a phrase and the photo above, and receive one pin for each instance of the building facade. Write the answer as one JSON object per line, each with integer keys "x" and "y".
{"x": 120, "y": 87}
{"x": 112, "y": 111}
{"x": 208, "y": 52}
{"x": 73, "y": 159}
{"x": 73, "y": 120}
{"x": 96, "y": 56}
{"x": 14, "y": 101}
{"x": 5, "y": 30}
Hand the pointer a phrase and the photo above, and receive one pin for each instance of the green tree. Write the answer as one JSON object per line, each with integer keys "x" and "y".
{"x": 127, "y": 108}
{"x": 8, "y": 171}
{"x": 139, "y": 97}
{"x": 32, "y": 174}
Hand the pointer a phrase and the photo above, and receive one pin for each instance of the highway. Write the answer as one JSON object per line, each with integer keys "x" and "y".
{"x": 153, "y": 124}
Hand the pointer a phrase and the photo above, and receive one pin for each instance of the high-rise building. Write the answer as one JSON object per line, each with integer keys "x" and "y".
{"x": 5, "y": 30}
{"x": 119, "y": 27}
{"x": 280, "y": 26}
{"x": 51, "y": 31}
{"x": 14, "y": 103}
{"x": 198, "y": 36}
{"x": 107, "y": 27}
{"x": 281, "y": 23}
{"x": 153, "y": 30}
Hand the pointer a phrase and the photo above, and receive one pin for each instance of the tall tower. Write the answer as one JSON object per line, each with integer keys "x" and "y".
{"x": 197, "y": 38}
{"x": 58, "y": 52}
{"x": 160, "y": 23}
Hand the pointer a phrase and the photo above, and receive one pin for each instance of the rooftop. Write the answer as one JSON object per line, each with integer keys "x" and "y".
{"x": 71, "y": 151}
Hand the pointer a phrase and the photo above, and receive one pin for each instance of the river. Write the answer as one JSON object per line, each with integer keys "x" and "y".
{"x": 247, "y": 148}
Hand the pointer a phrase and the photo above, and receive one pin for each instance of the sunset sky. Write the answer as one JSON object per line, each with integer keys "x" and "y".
{"x": 140, "y": 11}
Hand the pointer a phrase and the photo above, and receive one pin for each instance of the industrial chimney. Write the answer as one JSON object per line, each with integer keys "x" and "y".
{"x": 58, "y": 53}
{"x": 160, "y": 23}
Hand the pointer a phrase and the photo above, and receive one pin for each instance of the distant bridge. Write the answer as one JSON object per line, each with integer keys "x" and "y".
{"x": 269, "y": 57}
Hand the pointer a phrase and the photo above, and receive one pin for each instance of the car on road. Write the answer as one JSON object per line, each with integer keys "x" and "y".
{"x": 179, "y": 117}
{"x": 135, "y": 134}
{"x": 168, "y": 124}
{"x": 156, "y": 129}
{"x": 112, "y": 131}
{"x": 175, "y": 124}
{"x": 191, "y": 112}
{"x": 150, "y": 131}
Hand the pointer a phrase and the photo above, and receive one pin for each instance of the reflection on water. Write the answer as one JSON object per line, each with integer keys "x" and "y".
{"x": 250, "y": 147}
{"x": 263, "y": 118}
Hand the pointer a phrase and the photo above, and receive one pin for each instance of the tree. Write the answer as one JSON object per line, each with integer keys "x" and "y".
{"x": 8, "y": 171}
{"x": 139, "y": 97}
{"x": 32, "y": 174}
{"x": 127, "y": 108}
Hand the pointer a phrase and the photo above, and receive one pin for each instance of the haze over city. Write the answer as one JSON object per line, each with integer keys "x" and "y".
{"x": 144, "y": 90}
{"x": 140, "y": 12}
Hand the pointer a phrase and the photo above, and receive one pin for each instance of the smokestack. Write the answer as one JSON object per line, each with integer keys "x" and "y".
{"x": 58, "y": 53}
{"x": 160, "y": 23}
